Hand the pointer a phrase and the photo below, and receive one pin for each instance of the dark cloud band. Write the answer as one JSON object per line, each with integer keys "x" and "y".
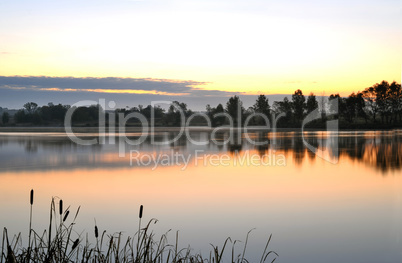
{"x": 110, "y": 85}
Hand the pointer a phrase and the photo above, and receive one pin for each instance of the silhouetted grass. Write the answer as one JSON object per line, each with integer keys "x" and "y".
{"x": 143, "y": 247}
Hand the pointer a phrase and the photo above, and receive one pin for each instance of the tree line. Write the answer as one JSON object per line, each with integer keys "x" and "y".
{"x": 377, "y": 106}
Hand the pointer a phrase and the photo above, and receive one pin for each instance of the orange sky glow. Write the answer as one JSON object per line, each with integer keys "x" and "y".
{"x": 266, "y": 48}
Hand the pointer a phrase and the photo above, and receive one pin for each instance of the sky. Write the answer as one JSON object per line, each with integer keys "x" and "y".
{"x": 199, "y": 52}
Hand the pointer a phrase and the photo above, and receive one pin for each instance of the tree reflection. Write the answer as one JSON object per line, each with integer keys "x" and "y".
{"x": 262, "y": 142}
{"x": 380, "y": 150}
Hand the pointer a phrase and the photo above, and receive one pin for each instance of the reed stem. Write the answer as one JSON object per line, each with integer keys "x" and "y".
{"x": 31, "y": 199}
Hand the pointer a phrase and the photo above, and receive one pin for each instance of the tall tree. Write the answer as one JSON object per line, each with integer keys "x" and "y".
{"x": 360, "y": 106}
{"x": 5, "y": 118}
{"x": 323, "y": 108}
{"x": 262, "y": 106}
{"x": 312, "y": 103}
{"x": 284, "y": 106}
{"x": 369, "y": 96}
{"x": 234, "y": 107}
{"x": 175, "y": 111}
{"x": 298, "y": 102}
{"x": 395, "y": 100}
{"x": 386, "y": 100}
{"x": 382, "y": 100}
{"x": 339, "y": 108}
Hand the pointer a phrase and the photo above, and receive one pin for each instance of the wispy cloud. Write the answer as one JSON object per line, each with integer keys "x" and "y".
{"x": 124, "y": 91}
{"x": 149, "y": 86}
{"x": 17, "y": 90}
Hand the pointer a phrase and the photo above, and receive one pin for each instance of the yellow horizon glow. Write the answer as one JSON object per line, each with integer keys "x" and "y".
{"x": 252, "y": 55}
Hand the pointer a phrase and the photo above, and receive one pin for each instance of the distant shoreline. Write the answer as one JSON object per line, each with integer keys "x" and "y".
{"x": 167, "y": 129}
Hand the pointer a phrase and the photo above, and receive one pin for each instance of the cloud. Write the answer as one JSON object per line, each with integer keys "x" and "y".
{"x": 110, "y": 85}
{"x": 17, "y": 90}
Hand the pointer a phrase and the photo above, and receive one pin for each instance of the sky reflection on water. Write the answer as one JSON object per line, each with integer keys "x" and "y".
{"x": 380, "y": 150}
{"x": 317, "y": 211}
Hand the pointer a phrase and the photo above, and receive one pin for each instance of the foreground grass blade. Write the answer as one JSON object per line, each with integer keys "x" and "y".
{"x": 66, "y": 245}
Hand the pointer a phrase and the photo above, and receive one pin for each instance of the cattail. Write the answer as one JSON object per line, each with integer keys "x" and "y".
{"x": 32, "y": 195}
{"x": 30, "y": 222}
{"x": 96, "y": 232}
{"x": 141, "y": 207}
{"x": 75, "y": 244}
{"x": 66, "y": 215}
{"x": 61, "y": 207}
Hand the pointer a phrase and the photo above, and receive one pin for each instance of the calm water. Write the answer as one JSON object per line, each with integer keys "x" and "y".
{"x": 344, "y": 205}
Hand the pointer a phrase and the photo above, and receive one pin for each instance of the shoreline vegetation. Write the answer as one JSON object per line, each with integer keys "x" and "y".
{"x": 376, "y": 107}
{"x": 61, "y": 243}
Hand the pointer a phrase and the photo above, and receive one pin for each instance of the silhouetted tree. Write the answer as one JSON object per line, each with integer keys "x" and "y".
{"x": 262, "y": 106}
{"x": 369, "y": 96}
{"x": 147, "y": 112}
{"x": 360, "y": 106}
{"x": 234, "y": 107}
{"x": 53, "y": 112}
{"x": 284, "y": 106}
{"x": 175, "y": 111}
{"x": 159, "y": 114}
{"x": 30, "y": 107}
{"x": 385, "y": 99}
{"x": 382, "y": 100}
{"x": 216, "y": 120}
{"x": 354, "y": 106}
{"x": 312, "y": 103}
{"x": 298, "y": 103}
{"x": 323, "y": 108}
{"x": 209, "y": 109}
{"x": 5, "y": 118}
{"x": 87, "y": 114}
{"x": 395, "y": 98}
{"x": 338, "y": 109}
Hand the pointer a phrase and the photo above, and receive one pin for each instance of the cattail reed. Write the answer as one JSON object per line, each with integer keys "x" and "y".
{"x": 63, "y": 248}
{"x": 96, "y": 232}
{"x": 61, "y": 207}
{"x": 66, "y": 215}
{"x": 141, "y": 208}
{"x": 139, "y": 228}
{"x": 31, "y": 198}
{"x": 52, "y": 208}
{"x": 75, "y": 244}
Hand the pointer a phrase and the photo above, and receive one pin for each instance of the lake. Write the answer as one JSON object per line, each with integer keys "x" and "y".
{"x": 324, "y": 196}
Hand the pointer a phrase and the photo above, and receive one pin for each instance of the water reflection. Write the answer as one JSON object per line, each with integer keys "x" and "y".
{"x": 384, "y": 152}
{"x": 381, "y": 150}
{"x": 316, "y": 211}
